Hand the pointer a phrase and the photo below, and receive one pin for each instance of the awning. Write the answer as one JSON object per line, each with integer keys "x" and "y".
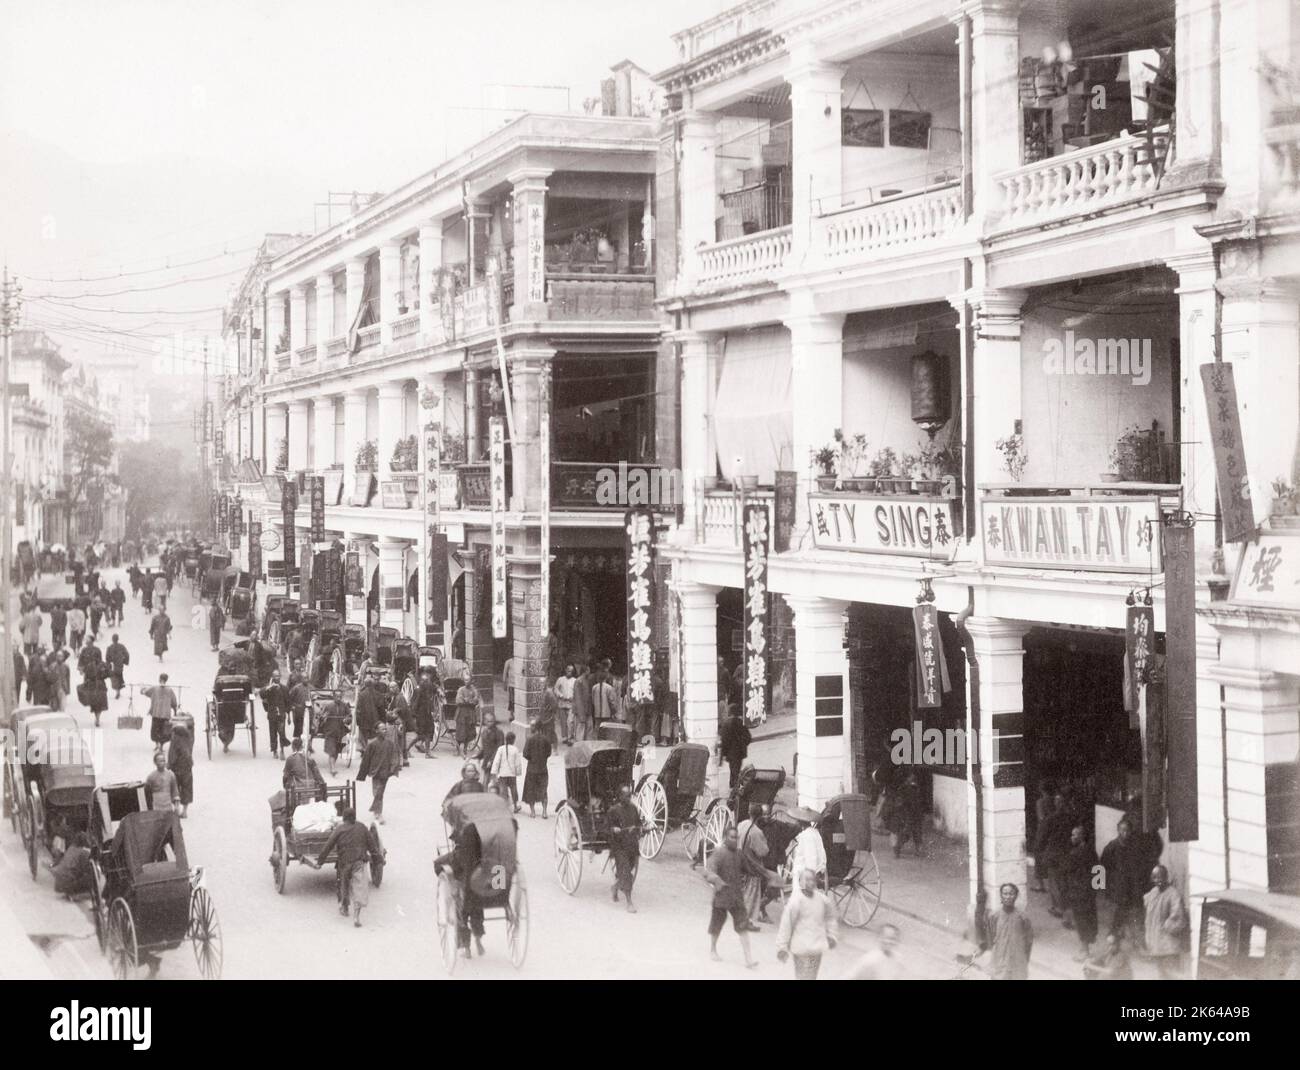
{"x": 753, "y": 419}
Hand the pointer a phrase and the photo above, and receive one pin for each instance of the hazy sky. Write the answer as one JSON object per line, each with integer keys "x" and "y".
{"x": 145, "y": 133}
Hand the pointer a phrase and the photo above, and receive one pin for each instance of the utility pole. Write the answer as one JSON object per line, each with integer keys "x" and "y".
{"x": 9, "y": 303}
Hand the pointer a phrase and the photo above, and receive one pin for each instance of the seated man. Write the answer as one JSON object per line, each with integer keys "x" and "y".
{"x": 333, "y": 730}
{"x": 468, "y": 783}
{"x": 463, "y": 859}
{"x": 301, "y": 772}
{"x": 230, "y": 710}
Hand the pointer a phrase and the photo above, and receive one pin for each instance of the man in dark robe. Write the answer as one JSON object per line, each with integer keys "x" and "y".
{"x": 624, "y": 824}
{"x": 275, "y": 701}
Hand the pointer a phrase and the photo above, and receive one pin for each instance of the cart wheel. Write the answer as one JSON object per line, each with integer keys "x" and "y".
{"x": 447, "y": 916}
{"x": 209, "y": 725}
{"x": 693, "y": 836}
{"x": 439, "y": 730}
{"x": 568, "y": 848}
{"x": 517, "y": 919}
{"x": 205, "y": 934}
{"x": 652, "y": 801}
{"x": 98, "y": 908}
{"x": 11, "y": 799}
{"x": 252, "y": 728}
{"x": 279, "y": 859}
{"x": 857, "y": 898}
{"x": 38, "y": 829}
{"x": 377, "y": 868}
{"x": 717, "y": 820}
{"x": 123, "y": 951}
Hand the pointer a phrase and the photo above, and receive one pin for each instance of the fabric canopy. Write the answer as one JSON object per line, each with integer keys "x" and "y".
{"x": 753, "y": 422}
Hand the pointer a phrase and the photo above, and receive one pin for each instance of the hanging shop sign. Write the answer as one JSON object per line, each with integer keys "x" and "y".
{"x": 1235, "y": 503}
{"x": 363, "y": 489}
{"x": 392, "y": 494}
{"x": 536, "y": 253}
{"x": 932, "y": 681}
{"x": 317, "y": 509}
{"x": 640, "y": 527}
{"x": 289, "y": 510}
{"x": 1268, "y": 571}
{"x": 223, "y": 514}
{"x": 274, "y": 487}
{"x": 497, "y": 469}
{"x": 784, "y": 503}
{"x": 915, "y": 526}
{"x": 1180, "y": 681}
{"x": 1139, "y": 645}
{"x": 353, "y": 579}
{"x": 333, "y": 486}
{"x": 432, "y": 564}
{"x": 1095, "y": 534}
{"x": 219, "y": 445}
{"x": 255, "y": 548}
{"x": 757, "y": 541}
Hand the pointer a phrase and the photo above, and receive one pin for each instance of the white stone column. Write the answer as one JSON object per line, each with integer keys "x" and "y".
{"x": 527, "y": 366}
{"x": 820, "y": 655}
{"x": 1207, "y": 857}
{"x": 430, "y": 263}
{"x": 817, "y": 356}
{"x": 817, "y": 175}
{"x": 390, "y": 270}
{"x": 995, "y": 96}
{"x": 392, "y": 579}
{"x": 699, "y": 462}
{"x": 1197, "y": 102}
{"x": 297, "y": 319}
{"x": 699, "y": 683}
{"x": 390, "y": 425}
{"x": 354, "y": 434}
{"x": 297, "y": 436}
{"x": 999, "y": 654}
{"x": 1263, "y": 718}
{"x": 698, "y": 191}
{"x": 277, "y": 431}
{"x": 356, "y": 283}
{"x": 997, "y": 378}
{"x": 275, "y": 326}
{"x": 322, "y": 432}
{"x": 324, "y": 313}
{"x": 530, "y": 223}
{"x": 1260, "y": 328}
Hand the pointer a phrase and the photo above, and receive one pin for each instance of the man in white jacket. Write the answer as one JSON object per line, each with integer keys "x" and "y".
{"x": 808, "y": 928}
{"x": 507, "y": 768}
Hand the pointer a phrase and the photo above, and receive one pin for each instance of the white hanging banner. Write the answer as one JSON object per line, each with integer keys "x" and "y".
{"x": 497, "y": 458}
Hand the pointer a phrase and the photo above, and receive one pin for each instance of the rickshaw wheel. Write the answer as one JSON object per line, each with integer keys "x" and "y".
{"x": 652, "y": 801}
{"x": 279, "y": 859}
{"x": 208, "y": 726}
{"x": 123, "y": 951}
{"x": 693, "y": 836}
{"x": 716, "y": 822}
{"x": 97, "y": 905}
{"x": 857, "y": 898}
{"x": 251, "y": 718}
{"x": 568, "y": 848}
{"x": 38, "y": 825}
{"x": 447, "y": 917}
{"x": 11, "y": 799}
{"x": 377, "y": 868}
{"x": 205, "y": 934}
{"x": 517, "y": 919}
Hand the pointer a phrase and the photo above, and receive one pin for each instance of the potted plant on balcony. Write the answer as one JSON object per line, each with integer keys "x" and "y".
{"x": 934, "y": 469}
{"x": 1131, "y": 457}
{"x": 406, "y": 454}
{"x": 884, "y": 471}
{"x": 1014, "y": 457}
{"x": 367, "y": 456}
{"x": 453, "y": 448}
{"x": 842, "y": 462}
{"x": 824, "y": 459}
{"x": 1286, "y": 505}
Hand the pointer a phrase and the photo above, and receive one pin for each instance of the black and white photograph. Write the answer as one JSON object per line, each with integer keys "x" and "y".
{"x": 680, "y": 491}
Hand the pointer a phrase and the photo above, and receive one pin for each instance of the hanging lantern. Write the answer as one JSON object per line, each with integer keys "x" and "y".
{"x": 930, "y": 405}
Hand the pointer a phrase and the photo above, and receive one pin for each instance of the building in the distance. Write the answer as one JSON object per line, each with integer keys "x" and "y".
{"x": 39, "y": 367}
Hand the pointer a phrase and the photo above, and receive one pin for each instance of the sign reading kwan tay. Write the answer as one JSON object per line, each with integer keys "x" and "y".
{"x": 1096, "y": 534}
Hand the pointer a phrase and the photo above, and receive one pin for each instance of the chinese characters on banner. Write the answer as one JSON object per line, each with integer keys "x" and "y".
{"x": 536, "y": 254}
{"x": 434, "y": 609}
{"x": 223, "y": 505}
{"x": 353, "y": 581}
{"x": 757, "y": 544}
{"x": 1229, "y": 453}
{"x": 219, "y": 445}
{"x": 317, "y": 509}
{"x": 784, "y": 501}
{"x": 255, "y": 549}
{"x": 544, "y": 437}
{"x": 640, "y": 527}
{"x": 1139, "y": 645}
{"x": 289, "y": 510}
{"x": 1180, "y": 682}
{"x": 932, "y": 681}
{"x": 497, "y": 459}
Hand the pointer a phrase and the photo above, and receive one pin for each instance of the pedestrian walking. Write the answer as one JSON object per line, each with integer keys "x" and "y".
{"x": 1080, "y": 895}
{"x": 165, "y": 792}
{"x": 20, "y": 674}
{"x": 1011, "y": 938}
{"x": 354, "y": 848}
{"x": 725, "y": 872}
{"x": 1050, "y": 851}
{"x": 59, "y": 626}
{"x": 117, "y": 657}
{"x": 467, "y": 710}
{"x": 604, "y": 700}
{"x": 96, "y": 613}
{"x": 807, "y": 929}
{"x": 180, "y": 760}
{"x": 56, "y": 671}
{"x": 162, "y": 586}
{"x": 94, "y": 692}
{"x": 162, "y": 704}
{"x": 1126, "y": 875}
{"x": 880, "y": 963}
{"x": 754, "y": 850}
{"x": 508, "y": 679}
{"x": 490, "y": 738}
{"x": 906, "y": 814}
{"x": 428, "y": 711}
{"x": 116, "y": 603}
{"x": 550, "y": 711}
{"x": 275, "y": 703}
{"x": 76, "y": 627}
{"x": 624, "y": 824}
{"x": 1167, "y": 926}
{"x": 537, "y": 751}
{"x": 160, "y": 627}
{"x": 38, "y": 680}
{"x": 507, "y": 768}
{"x": 298, "y": 699}
{"x": 216, "y": 621}
{"x": 582, "y": 707}
{"x": 333, "y": 730}
{"x": 380, "y": 761}
{"x": 30, "y": 628}
{"x": 733, "y": 745}
{"x": 564, "y": 702}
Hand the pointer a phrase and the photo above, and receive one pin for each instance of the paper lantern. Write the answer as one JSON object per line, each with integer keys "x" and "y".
{"x": 930, "y": 403}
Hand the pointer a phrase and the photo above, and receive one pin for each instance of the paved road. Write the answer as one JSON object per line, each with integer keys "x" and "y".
{"x": 301, "y": 933}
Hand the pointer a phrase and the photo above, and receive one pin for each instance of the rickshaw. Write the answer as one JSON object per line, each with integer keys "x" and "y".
{"x": 385, "y": 639}
{"x": 406, "y": 659}
{"x": 233, "y": 579}
{"x": 852, "y": 875}
{"x": 190, "y": 567}
{"x": 49, "y": 778}
{"x": 241, "y": 605}
{"x": 1248, "y": 935}
{"x": 327, "y": 637}
{"x": 281, "y": 614}
{"x": 594, "y": 771}
{"x": 294, "y": 845}
{"x": 214, "y": 575}
{"x": 483, "y": 869}
{"x": 231, "y": 701}
{"x": 676, "y": 797}
{"x": 145, "y": 897}
{"x": 318, "y": 712}
{"x": 754, "y": 786}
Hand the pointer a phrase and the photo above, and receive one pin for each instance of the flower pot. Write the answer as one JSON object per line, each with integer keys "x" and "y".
{"x": 1110, "y": 477}
{"x": 826, "y": 483}
{"x": 1288, "y": 522}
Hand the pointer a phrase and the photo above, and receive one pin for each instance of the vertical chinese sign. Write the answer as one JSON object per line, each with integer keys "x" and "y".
{"x": 536, "y": 252}
{"x": 255, "y": 549}
{"x": 223, "y": 506}
{"x": 288, "y": 513}
{"x": 433, "y": 556}
{"x": 497, "y": 473}
{"x": 932, "y": 681}
{"x": 784, "y": 502}
{"x": 544, "y": 442}
{"x": 236, "y": 523}
{"x": 1180, "y": 681}
{"x": 317, "y": 509}
{"x": 1139, "y": 645}
{"x": 640, "y": 527}
{"x": 757, "y": 545}
{"x": 1229, "y": 454}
